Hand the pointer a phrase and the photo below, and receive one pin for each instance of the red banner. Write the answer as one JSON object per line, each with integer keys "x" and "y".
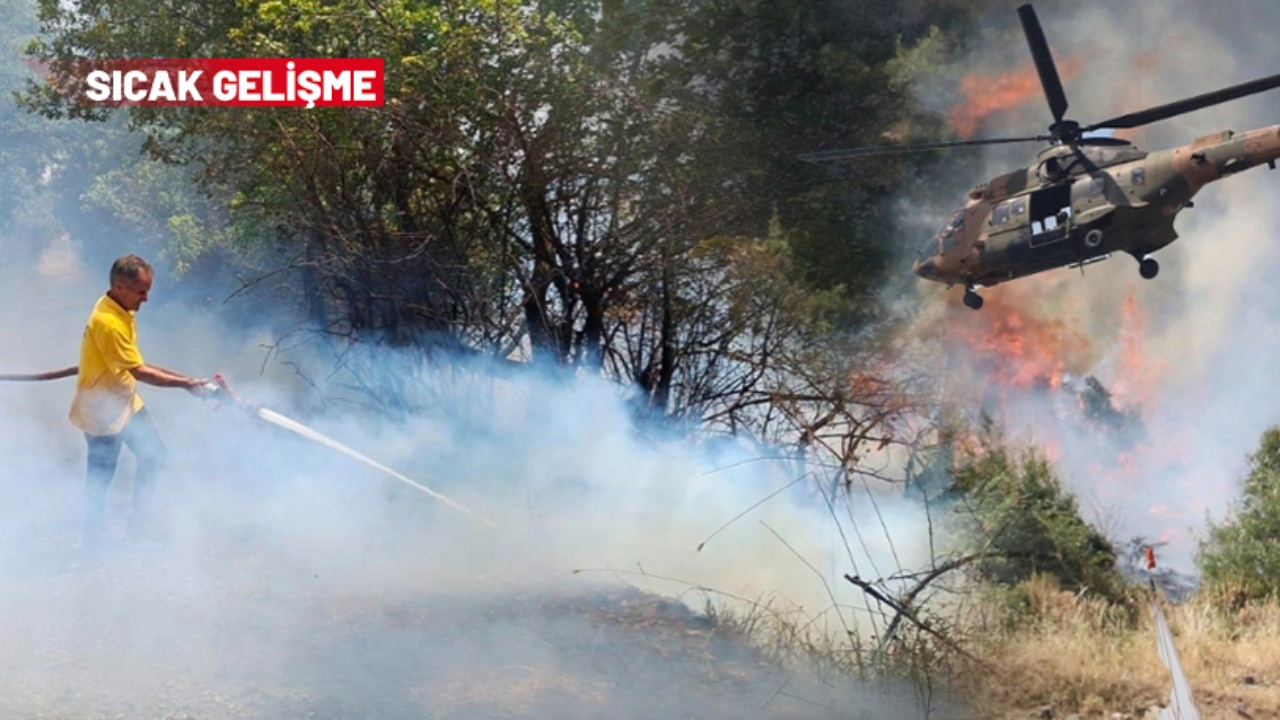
{"x": 219, "y": 82}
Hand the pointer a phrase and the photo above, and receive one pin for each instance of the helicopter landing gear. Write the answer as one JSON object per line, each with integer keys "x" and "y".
{"x": 1148, "y": 268}
{"x": 972, "y": 299}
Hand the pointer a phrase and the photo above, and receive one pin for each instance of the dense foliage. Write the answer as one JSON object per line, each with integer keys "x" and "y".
{"x": 1242, "y": 555}
{"x": 604, "y": 185}
{"x": 1019, "y": 522}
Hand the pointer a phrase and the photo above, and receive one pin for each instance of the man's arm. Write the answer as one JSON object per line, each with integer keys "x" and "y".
{"x": 120, "y": 351}
{"x": 160, "y": 377}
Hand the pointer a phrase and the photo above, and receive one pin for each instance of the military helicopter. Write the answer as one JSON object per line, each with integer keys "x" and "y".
{"x": 1087, "y": 196}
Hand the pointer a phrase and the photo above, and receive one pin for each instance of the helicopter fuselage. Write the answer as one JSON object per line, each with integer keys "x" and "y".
{"x": 1082, "y": 203}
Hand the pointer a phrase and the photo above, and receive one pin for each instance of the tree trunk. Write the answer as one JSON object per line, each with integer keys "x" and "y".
{"x": 661, "y": 397}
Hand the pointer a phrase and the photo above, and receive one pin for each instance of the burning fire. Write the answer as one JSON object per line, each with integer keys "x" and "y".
{"x": 1011, "y": 354}
{"x": 985, "y": 96}
{"x": 1030, "y": 368}
{"x": 1020, "y": 359}
{"x": 1015, "y": 349}
{"x": 1136, "y": 374}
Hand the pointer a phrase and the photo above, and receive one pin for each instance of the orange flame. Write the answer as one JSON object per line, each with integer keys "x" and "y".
{"x": 1020, "y": 350}
{"x": 985, "y": 96}
{"x": 1136, "y": 373}
{"x": 1015, "y": 354}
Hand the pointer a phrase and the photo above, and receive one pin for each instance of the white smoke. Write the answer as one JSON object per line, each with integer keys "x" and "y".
{"x": 275, "y": 539}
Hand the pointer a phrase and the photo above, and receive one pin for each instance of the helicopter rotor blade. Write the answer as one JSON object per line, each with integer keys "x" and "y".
{"x": 829, "y": 155}
{"x": 1164, "y": 112}
{"x": 1045, "y": 67}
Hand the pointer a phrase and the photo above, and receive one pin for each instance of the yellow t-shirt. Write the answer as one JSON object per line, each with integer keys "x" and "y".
{"x": 106, "y": 392}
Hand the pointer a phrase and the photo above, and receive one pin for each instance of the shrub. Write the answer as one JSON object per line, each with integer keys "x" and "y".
{"x": 1020, "y": 521}
{"x": 1243, "y": 553}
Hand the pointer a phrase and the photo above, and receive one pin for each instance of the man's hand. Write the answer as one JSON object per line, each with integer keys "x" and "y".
{"x": 201, "y": 387}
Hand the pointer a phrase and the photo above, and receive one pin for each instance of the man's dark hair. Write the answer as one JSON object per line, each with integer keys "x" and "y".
{"x": 131, "y": 268}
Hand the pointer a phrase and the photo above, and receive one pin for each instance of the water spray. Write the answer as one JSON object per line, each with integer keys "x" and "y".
{"x": 218, "y": 388}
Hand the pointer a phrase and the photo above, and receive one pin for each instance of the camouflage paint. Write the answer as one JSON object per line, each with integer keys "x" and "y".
{"x": 1120, "y": 200}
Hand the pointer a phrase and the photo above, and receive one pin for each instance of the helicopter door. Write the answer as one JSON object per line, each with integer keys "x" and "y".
{"x": 1050, "y": 216}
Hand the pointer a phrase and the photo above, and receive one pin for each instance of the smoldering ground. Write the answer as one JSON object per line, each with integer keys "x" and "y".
{"x": 299, "y": 583}
{"x": 1188, "y": 354}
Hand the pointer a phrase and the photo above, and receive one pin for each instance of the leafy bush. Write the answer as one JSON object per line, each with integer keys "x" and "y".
{"x": 1019, "y": 521}
{"x": 1243, "y": 554}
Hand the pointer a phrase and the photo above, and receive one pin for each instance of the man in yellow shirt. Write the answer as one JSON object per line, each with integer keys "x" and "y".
{"x": 107, "y": 406}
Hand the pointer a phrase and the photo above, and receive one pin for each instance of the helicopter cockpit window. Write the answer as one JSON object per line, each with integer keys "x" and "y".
{"x": 1139, "y": 176}
{"x": 1096, "y": 187}
{"x": 1019, "y": 206}
{"x": 948, "y": 232}
{"x": 1000, "y": 215}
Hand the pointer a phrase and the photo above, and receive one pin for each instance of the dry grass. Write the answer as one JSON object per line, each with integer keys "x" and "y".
{"x": 1040, "y": 647}
{"x": 1081, "y": 656}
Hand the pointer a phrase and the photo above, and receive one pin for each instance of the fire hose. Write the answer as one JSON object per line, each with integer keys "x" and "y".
{"x": 218, "y": 390}
{"x": 37, "y": 377}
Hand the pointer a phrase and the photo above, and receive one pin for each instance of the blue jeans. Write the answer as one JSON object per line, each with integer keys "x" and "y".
{"x": 104, "y": 452}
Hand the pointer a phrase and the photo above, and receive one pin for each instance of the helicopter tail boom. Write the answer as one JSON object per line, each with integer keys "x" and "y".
{"x": 1216, "y": 156}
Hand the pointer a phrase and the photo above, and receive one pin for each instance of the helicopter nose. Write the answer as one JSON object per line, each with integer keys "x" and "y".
{"x": 926, "y": 269}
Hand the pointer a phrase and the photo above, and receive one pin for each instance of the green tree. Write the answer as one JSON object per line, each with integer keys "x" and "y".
{"x": 1018, "y": 521}
{"x": 608, "y": 186}
{"x": 1242, "y": 554}
{"x": 63, "y": 179}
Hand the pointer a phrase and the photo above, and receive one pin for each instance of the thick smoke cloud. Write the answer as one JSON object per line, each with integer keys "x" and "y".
{"x": 298, "y": 581}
